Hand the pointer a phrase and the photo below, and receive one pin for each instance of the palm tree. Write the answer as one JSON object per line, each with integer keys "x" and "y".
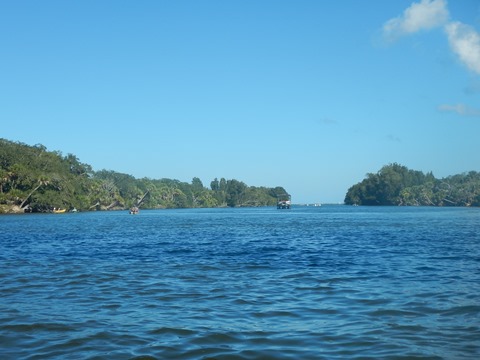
{"x": 42, "y": 181}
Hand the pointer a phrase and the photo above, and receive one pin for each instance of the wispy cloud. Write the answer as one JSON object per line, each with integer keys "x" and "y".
{"x": 465, "y": 42}
{"x": 472, "y": 88}
{"x": 393, "y": 138}
{"x": 426, "y": 14}
{"x": 460, "y": 109}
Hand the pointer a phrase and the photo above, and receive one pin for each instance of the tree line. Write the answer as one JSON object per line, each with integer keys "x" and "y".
{"x": 35, "y": 179}
{"x": 395, "y": 184}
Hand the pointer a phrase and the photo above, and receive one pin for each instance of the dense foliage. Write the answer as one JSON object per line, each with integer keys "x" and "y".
{"x": 395, "y": 184}
{"x": 34, "y": 179}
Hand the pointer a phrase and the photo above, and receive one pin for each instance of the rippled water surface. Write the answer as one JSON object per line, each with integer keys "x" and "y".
{"x": 330, "y": 282}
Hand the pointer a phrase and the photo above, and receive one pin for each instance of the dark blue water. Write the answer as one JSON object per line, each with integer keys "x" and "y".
{"x": 331, "y": 282}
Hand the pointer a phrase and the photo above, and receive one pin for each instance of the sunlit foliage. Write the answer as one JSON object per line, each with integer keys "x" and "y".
{"x": 395, "y": 184}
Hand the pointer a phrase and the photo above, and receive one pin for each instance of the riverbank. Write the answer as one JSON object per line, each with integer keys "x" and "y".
{"x": 10, "y": 209}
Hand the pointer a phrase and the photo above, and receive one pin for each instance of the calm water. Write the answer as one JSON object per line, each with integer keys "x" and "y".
{"x": 331, "y": 282}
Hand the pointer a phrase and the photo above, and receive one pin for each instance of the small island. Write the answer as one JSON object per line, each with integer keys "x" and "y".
{"x": 395, "y": 184}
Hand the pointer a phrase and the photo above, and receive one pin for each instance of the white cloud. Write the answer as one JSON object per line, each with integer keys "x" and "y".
{"x": 460, "y": 109}
{"x": 465, "y": 42}
{"x": 426, "y": 14}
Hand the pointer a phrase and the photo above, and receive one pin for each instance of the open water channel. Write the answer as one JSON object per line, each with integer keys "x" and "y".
{"x": 330, "y": 282}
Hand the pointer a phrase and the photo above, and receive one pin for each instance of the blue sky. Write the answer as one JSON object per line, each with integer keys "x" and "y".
{"x": 309, "y": 95}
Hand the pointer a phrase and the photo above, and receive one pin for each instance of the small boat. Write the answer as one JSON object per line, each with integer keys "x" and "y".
{"x": 59, "y": 211}
{"x": 284, "y": 201}
{"x": 134, "y": 210}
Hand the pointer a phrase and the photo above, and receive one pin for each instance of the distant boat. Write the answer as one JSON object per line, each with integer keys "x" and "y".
{"x": 59, "y": 211}
{"x": 134, "y": 210}
{"x": 284, "y": 201}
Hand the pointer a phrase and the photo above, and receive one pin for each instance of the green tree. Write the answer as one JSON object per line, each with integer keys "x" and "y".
{"x": 42, "y": 179}
{"x": 235, "y": 193}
